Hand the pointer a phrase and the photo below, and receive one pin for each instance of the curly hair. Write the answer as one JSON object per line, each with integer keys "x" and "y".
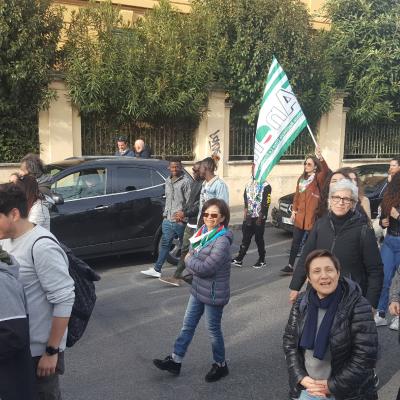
{"x": 391, "y": 198}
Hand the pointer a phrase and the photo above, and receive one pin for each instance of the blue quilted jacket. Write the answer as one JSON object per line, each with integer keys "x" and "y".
{"x": 211, "y": 269}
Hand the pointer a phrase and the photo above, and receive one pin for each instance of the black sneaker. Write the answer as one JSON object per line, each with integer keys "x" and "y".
{"x": 288, "y": 270}
{"x": 237, "y": 262}
{"x": 216, "y": 373}
{"x": 168, "y": 364}
{"x": 260, "y": 264}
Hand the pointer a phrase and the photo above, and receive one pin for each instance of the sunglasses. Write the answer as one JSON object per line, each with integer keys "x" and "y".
{"x": 308, "y": 164}
{"x": 210, "y": 215}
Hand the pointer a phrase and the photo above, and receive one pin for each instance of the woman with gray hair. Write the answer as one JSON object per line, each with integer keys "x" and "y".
{"x": 343, "y": 232}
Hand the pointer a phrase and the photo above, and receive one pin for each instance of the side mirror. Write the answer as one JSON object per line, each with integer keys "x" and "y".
{"x": 57, "y": 198}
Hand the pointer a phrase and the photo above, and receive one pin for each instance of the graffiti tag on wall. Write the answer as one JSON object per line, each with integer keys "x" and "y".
{"x": 214, "y": 142}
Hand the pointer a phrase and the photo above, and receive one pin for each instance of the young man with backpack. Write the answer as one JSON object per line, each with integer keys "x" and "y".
{"x": 49, "y": 288}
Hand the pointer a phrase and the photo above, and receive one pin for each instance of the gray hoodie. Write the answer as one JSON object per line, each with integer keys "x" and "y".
{"x": 48, "y": 286}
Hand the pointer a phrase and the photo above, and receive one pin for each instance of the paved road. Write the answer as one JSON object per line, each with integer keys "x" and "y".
{"x": 137, "y": 318}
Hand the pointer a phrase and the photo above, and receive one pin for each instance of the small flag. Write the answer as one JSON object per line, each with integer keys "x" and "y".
{"x": 280, "y": 121}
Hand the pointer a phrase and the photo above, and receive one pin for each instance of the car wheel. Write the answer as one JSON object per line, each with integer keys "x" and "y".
{"x": 174, "y": 253}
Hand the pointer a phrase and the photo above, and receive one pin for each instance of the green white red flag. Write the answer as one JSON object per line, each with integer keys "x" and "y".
{"x": 280, "y": 121}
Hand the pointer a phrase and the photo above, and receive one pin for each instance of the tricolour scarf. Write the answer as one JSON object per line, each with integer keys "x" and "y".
{"x": 303, "y": 183}
{"x": 203, "y": 238}
{"x": 310, "y": 339}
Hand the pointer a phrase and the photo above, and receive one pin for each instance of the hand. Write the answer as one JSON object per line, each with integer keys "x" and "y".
{"x": 394, "y": 308}
{"x": 394, "y": 213}
{"x": 47, "y": 365}
{"x": 179, "y": 215}
{"x": 385, "y": 222}
{"x": 318, "y": 153}
{"x": 293, "y": 296}
{"x": 324, "y": 392}
{"x": 293, "y": 216}
{"x": 314, "y": 387}
{"x": 187, "y": 257}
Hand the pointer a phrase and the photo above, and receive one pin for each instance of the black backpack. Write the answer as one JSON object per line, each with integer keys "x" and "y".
{"x": 85, "y": 292}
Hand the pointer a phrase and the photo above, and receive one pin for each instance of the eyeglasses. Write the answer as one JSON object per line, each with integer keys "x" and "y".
{"x": 210, "y": 215}
{"x": 308, "y": 164}
{"x": 338, "y": 199}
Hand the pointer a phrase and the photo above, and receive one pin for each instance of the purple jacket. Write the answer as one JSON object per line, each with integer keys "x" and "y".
{"x": 211, "y": 269}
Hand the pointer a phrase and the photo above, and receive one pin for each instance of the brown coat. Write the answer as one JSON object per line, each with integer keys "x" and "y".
{"x": 306, "y": 203}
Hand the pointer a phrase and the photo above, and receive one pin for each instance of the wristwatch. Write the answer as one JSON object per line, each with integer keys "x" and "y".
{"x": 51, "y": 351}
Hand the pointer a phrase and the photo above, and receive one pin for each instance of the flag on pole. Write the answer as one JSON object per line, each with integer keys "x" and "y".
{"x": 280, "y": 121}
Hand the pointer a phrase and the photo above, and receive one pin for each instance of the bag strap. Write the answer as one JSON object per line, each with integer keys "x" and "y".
{"x": 42, "y": 237}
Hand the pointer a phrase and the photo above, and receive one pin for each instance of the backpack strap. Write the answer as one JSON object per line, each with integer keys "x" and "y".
{"x": 42, "y": 237}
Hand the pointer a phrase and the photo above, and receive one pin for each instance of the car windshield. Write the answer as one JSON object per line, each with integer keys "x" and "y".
{"x": 372, "y": 177}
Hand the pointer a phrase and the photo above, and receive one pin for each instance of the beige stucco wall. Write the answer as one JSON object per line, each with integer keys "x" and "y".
{"x": 59, "y": 127}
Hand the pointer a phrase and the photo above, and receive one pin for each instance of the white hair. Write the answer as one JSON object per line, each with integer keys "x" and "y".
{"x": 345, "y": 184}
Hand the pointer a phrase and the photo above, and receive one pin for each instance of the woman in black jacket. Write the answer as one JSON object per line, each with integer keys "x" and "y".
{"x": 348, "y": 236}
{"x": 330, "y": 341}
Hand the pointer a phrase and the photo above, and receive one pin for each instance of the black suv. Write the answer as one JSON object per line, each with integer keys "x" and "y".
{"x": 373, "y": 178}
{"x": 109, "y": 205}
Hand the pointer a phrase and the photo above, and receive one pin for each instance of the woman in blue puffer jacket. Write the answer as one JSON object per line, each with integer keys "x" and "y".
{"x": 209, "y": 260}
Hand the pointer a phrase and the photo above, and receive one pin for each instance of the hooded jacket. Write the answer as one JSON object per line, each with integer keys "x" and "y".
{"x": 358, "y": 254}
{"x": 44, "y": 182}
{"x": 16, "y": 369}
{"x": 211, "y": 269}
{"x": 353, "y": 344}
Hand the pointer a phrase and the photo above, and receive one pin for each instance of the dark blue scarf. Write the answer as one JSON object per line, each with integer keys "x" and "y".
{"x": 310, "y": 339}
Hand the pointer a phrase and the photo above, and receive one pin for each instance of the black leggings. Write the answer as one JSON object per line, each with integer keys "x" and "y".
{"x": 296, "y": 242}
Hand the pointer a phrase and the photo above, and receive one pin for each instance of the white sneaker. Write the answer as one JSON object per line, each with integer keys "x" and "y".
{"x": 394, "y": 325}
{"x": 151, "y": 272}
{"x": 379, "y": 321}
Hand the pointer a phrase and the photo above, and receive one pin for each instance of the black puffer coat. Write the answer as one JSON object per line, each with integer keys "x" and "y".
{"x": 353, "y": 345}
{"x": 358, "y": 254}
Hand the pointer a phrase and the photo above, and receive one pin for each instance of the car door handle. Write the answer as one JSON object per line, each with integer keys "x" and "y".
{"x": 100, "y": 207}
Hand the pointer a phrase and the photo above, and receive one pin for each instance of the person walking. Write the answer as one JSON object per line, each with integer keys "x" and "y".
{"x": 49, "y": 289}
{"x": 346, "y": 234}
{"x": 257, "y": 199}
{"x": 213, "y": 186}
{"x": 209, "y": 260}
{"x": 123, "y": 148}
{"x": 38, "y": 211}
{"x": 141, "y": 150}
{"x": 17, "y": 376}
{"x": 189, "y": 214}
{"x": 177, "y": 192}
{"x": 305, "y": 203}
{"x": 390, "y": 250}
{"x": 32, "y": 165}
{"x": 330, "y": 340}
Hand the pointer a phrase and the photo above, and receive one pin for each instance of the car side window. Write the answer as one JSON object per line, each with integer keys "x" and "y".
{"x": 82, "y": 184}
{"x": 132, "y": 178}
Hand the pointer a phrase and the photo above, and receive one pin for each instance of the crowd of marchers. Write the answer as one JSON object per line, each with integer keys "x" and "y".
{"x": 330, "y": 342}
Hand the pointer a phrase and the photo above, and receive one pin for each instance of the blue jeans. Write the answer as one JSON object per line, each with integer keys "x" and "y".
{"x": 194, "y": 311}
{"x": 390, "y": 253}
{"x": 170, "y": 230}
{"x": 305, "y": 396}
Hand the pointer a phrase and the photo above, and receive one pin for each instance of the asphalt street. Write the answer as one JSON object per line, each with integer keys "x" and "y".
{"x": 137, "y": 319}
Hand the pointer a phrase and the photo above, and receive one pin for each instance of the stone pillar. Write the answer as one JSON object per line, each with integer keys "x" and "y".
{"x": 331, "y": 132}
{"x": 212, "y": 135}
{"x": 59, "y": 127}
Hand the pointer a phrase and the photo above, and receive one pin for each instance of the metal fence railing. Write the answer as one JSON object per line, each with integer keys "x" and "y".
{"x": 164, "y": 140}
{"x": 241, "y": 144}
{"x": 374, "y": 141}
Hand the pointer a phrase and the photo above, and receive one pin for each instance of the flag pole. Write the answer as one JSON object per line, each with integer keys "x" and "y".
{"x": 312, "y": 136}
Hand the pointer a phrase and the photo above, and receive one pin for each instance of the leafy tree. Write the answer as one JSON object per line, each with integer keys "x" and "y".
{"x": 157, "y": 69}
{"x": 364, "y": 50}
{"x": 254, "y": 31}
{"x": 29, "y": 33}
